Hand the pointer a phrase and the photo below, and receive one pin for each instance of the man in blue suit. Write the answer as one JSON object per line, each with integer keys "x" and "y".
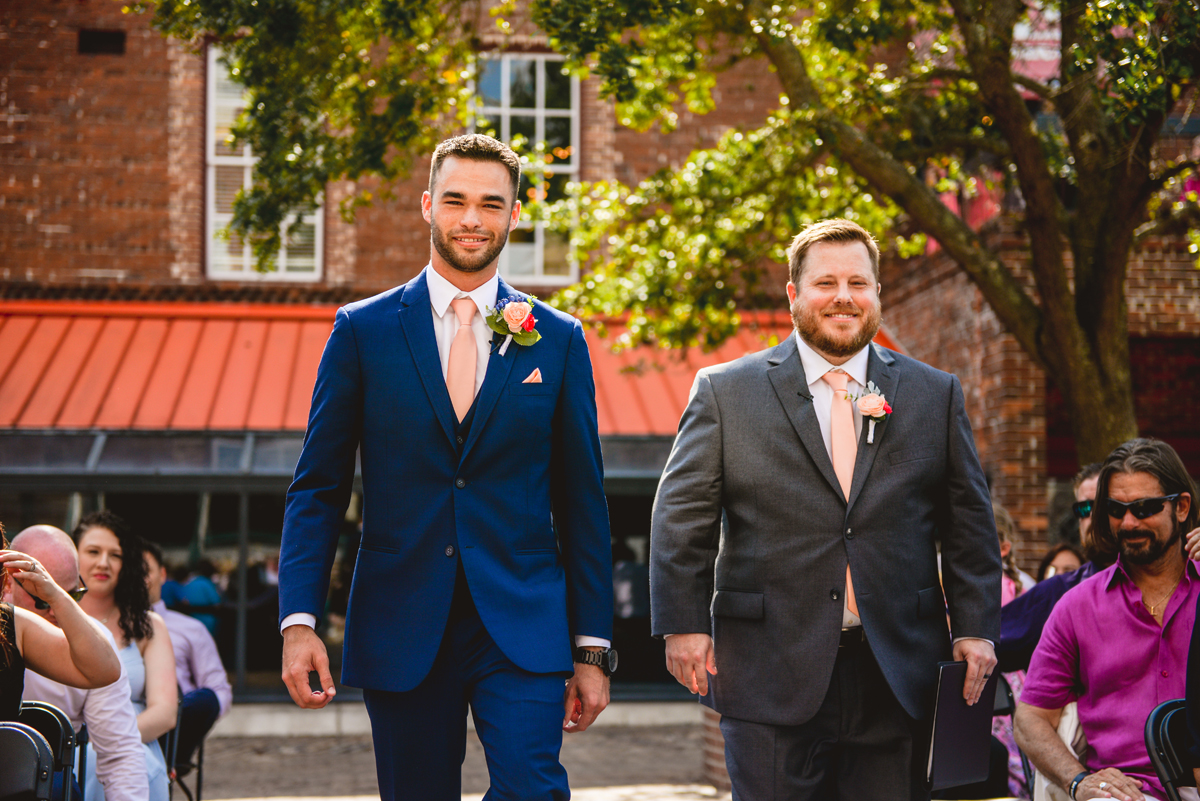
{"x": 484, "y": 578}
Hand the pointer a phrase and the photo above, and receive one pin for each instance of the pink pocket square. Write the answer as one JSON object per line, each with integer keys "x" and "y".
{"x": 535, "y": 377}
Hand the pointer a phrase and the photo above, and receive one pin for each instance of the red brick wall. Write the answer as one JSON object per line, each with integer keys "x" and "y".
{"x": 941, "y": 318}
{"x": 84, "y": 143}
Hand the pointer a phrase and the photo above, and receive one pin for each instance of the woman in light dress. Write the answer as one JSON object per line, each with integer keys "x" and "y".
{"x": 111, "y": 564}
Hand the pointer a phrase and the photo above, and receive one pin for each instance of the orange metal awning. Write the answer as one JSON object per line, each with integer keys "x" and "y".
{"x": 251, "y": 367}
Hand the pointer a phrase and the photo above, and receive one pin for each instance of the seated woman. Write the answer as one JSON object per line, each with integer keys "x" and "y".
{"x": 75, "y": 654}
{"x": 1062, "y": 558}
{"x": 111, "y": 563}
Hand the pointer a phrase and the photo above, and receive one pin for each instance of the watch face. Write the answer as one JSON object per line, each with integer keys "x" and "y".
{"x": 612, "y": 660}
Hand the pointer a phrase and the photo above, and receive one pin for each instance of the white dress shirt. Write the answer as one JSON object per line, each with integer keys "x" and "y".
{"x": 112, "y": 729}
{"x": 445, "y": 326}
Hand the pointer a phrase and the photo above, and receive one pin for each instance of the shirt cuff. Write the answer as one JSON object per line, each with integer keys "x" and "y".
{"x": 581, "y": 641}
{"x": 298, "y": 619}
{"x": 981, "y": 639}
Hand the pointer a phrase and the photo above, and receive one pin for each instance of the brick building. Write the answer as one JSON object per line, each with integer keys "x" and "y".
{"x": 115, "y": 174}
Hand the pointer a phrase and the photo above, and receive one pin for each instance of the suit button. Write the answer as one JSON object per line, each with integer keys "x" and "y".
{"x": 849, "y": 534}
{"x": 834, "y": 595}
{"x": 460, "y": 440}
{"x": 449, "y": 550}
{"x": 460, "y": 483}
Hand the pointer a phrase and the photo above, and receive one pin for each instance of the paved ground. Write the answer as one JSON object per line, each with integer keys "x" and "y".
{"x": 638, "y": 763}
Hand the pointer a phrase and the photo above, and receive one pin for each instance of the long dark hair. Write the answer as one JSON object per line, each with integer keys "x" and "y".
{"x": 131, "y": 596}
{"x": 5, "y": 636}
{"x": 1142, "y": 455}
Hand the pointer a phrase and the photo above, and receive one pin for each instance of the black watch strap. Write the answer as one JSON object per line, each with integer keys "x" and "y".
{"x": 1076, "y": 781}
{"x": 605, "y": 660}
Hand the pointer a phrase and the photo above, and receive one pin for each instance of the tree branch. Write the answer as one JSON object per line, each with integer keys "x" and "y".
{"x": 1007, "y": 297}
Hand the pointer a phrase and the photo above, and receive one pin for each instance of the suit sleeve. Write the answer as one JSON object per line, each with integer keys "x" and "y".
{"x": 686, "y": 524}
{"x": 320, "y": 491}
{"x": 971, "y": 566}
{"x": 577, "y": 497}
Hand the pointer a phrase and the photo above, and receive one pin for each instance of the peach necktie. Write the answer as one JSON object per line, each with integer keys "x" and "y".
{"x": 460, "y": 372}
{"x": 845, "y": 448}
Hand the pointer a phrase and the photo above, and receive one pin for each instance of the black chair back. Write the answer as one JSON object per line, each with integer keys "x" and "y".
{"x": 1168, "y": 742}
{"x": 81, "y": 743}
{"x": 53, "y": 724}
{"x": 1004, "y": 704}
{"x": 27, "y": 769}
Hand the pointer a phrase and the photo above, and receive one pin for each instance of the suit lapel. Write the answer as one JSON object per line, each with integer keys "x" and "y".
{"x": 791, "y": 386}
{"x": 494, "y": 380}
{"x": 417, "y": 321}
{"x": 881, "y": 369}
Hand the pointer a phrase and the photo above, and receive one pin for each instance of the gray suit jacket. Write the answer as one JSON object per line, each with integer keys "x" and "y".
{"x": 751, "y": 534}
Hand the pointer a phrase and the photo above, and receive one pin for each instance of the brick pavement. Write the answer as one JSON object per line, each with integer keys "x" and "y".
{"x": 615, "y": 763}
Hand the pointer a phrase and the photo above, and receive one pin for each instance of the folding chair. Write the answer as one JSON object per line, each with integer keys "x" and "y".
{"x": 81, "y": 744}
{"x": 27, "y": 769}
{"x": 1005, "y": 704}
{"x": 1168, "y": 742}
{"x": 169, "y": 743}
{"x": 55, "y": 726}
{"x": 199, "y": 766}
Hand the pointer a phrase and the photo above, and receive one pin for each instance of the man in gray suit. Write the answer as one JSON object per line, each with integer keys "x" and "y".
{"x": 794, "y": 545}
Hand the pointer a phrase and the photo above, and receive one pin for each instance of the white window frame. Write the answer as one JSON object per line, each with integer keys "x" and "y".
{"x": 505, "y": 111}
{"x": 214, "y": 220}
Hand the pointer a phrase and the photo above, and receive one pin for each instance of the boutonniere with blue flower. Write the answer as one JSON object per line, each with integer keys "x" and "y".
{"x": 874, "y": 407}
{"x": 513, "y": 317}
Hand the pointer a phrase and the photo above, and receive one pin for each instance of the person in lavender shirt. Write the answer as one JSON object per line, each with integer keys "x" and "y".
{"x": 1118, "y": 642}
{"x": 202, "y": 678}
{"x": 112, "y": 724}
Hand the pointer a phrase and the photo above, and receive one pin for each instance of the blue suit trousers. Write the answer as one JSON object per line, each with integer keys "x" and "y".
{"x": 420, "y": 735}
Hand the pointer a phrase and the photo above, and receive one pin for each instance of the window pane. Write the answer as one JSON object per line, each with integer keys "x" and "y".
{"x": 226, "y": 89}
{"x": 554, "y": 254}
{"x": 488, "y": 83}
{"x": 522, "y": 83}
{"x": 228, "y": 255}
{"x": 556, "y": 186}
{"x": 521, "y": 252}
{"x": 558, "y": 86}
{"x": 525, "y": 126}
{"x": 227, "y": 184}
{"x": 223, "y": 119}
{"x": 489, "y": 124}
{"x": 526, "y": 194}
{"x": 558, "y": 138}
{"x": 302, "y": 249}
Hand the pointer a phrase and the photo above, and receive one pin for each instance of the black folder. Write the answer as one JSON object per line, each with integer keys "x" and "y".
{"x": 960, "y": 746}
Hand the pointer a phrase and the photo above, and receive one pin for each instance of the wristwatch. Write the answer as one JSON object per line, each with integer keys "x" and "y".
{"x": 1076, "y": 781}
{"x": 606, "y": 660}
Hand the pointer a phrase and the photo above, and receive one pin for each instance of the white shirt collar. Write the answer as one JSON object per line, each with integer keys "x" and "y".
{"x": 441, "y": 292}
{"x": 816, "y": 365}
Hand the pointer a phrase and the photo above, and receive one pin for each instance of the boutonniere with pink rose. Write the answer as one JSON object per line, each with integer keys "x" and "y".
{"x": 513, "y": 317}
{"x": 874, "y": 407}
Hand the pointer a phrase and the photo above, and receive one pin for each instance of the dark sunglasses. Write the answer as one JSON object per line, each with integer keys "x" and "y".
{"x": 75, "y": 595}
{"x": 1146, "y": 507}
{"x": 1082, "y": 509}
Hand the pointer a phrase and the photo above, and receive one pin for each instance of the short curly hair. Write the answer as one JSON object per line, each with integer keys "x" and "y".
{"x": 477, "y": 147}
{"x": 131, "y": 596}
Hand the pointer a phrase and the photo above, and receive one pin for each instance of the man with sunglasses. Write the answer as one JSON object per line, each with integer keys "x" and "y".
{"x": 1122, "y": 635}
{"x": 1023, "y": 618}
{"x": 110, "y": 718}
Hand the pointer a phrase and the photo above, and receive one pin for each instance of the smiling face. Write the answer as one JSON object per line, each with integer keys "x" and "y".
{"x": 835, "y": 307}
{"x": 100, "y": 560}
{"x": 470, "y": 212}
{"x": 1144, "y": 542}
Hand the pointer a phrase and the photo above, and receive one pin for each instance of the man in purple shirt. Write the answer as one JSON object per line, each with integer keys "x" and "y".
{"x": 204, "y": 685}
{"x": 1118, "y": 642}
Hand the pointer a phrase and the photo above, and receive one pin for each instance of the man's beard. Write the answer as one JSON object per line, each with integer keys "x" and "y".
{"x": 1154, "y": 549}
{"x": 808, "y": 323}
{"x": 466, "y": 263}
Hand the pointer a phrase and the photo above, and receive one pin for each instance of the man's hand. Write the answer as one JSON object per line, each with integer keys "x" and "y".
{"x": 303, "y": 652}
{"x": 690, "y": 659}
{"x": 980, "y": 657}
{"x": 585, "y": 698}
{"x": 1109, "y": 783}
{"x": 1193, "y": 544}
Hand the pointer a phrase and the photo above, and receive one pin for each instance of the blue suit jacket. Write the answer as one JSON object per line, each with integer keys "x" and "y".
{"x": 523, "y": 507}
